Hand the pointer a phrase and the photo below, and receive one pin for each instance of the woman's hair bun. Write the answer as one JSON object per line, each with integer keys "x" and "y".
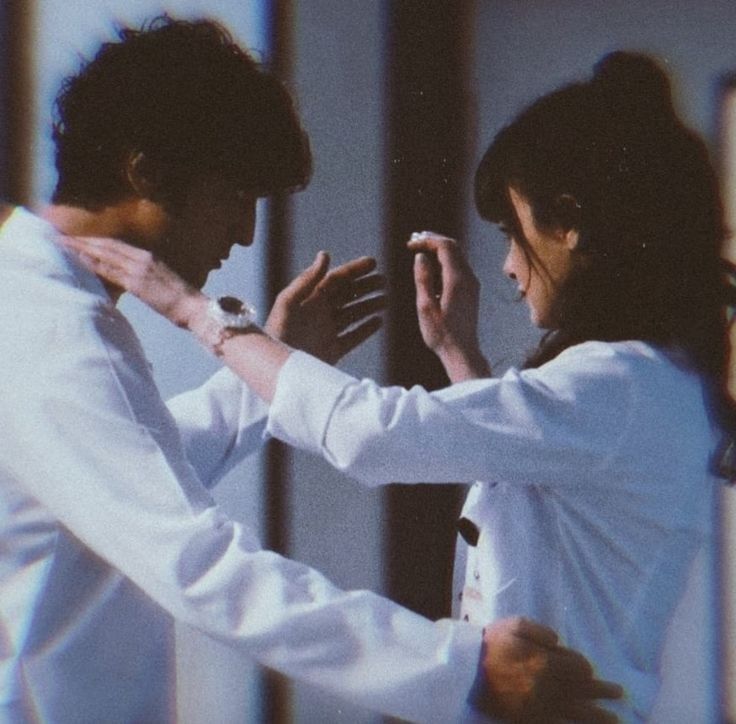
{"x": 633, "y": 82}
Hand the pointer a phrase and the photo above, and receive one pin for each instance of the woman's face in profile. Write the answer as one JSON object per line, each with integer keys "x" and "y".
{"x": 539, "y": 262}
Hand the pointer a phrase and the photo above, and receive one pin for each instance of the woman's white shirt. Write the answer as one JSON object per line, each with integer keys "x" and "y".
{"x": 596, "y": 489}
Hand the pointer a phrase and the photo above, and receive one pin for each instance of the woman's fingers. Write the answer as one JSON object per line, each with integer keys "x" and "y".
{"x": 116, "y": 261}
{"x": 451, "y": 265}
{"x": 425, "y": 281}
{"x": 105, "y": 248}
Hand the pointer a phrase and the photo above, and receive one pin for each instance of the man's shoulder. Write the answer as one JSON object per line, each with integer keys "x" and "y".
{"x": 35, "y": 267}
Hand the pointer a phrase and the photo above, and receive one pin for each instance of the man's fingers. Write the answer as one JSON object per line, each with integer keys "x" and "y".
{"x": 367, "y": 284}
{"x": 534, "y": 632}
{"x": 588, "y": 713}
{"x": 565, "y": 664}
{"x": 598, "y": 689}
{"x": 354, "y": 268}
{"x": 341, "y": 276}
{"x": 345, "y": 291}
{"x": 304, "y": 284}
{"x": 355, "y": 337}
{"x": 353, "y": 313}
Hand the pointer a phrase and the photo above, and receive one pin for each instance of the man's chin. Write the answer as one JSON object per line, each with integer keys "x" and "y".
{"x": 196, "y": 277}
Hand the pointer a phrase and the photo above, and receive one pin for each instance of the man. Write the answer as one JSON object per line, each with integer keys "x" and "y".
{"x": 107, "y": 531}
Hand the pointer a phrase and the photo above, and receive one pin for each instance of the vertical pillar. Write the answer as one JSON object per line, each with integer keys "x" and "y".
{"x": 276, "y": 702}
{"x": 15, "y": 100}
{"x": 727, "y": 573}
{"x": 428, "y": 54}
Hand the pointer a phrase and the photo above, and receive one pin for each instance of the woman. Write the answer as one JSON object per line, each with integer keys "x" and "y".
{"x": 598, "y": 456}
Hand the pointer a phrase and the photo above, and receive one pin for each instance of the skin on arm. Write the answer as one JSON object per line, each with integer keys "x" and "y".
{"x": 526, "y": 676}
{"x": 324, "y": 312}
{"x": 447, "y": 298}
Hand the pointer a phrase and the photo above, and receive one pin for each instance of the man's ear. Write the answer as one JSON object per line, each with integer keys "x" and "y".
{"x": 143, "y": 175}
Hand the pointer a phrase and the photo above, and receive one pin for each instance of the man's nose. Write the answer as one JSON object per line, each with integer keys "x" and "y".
{"x": 242, "y": 233}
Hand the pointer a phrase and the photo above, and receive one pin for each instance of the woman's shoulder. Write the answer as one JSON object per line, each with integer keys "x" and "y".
{"x": 632, "y": 371}
{"x": 624, "y": 356}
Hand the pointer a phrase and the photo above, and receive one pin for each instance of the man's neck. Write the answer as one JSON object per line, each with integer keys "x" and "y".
{"x": 111, "y": 221}
{"x": 76, "y": 221}
{"x": 5, "y": 211}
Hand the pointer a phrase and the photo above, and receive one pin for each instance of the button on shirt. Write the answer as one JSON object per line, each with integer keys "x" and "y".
{"x": 598, "y": 490}
{"x": 107, "y": 532}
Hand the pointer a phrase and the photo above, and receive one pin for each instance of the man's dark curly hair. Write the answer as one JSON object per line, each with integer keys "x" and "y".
{"x": 190, "y": 100}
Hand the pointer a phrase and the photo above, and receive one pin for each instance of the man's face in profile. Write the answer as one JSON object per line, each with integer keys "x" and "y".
{"x": 214, "y": 217}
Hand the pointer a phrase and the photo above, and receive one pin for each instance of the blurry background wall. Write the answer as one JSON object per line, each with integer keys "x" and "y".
{"x": 361, "y": 98}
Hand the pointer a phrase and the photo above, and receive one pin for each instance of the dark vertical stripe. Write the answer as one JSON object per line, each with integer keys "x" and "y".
{"x": 276, "y": 705}
{"x": 427, "y": 54}
{"x": 15, "y": 100}
{"x": 5, "y": 75}
{"x": 725, "y": 135}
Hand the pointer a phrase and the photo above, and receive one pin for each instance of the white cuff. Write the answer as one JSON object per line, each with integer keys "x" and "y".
{"x": 307, "y": 391}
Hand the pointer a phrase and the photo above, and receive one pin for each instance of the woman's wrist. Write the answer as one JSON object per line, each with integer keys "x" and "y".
{"x": 190, "y": 310}
{"x": 463, "y": 363}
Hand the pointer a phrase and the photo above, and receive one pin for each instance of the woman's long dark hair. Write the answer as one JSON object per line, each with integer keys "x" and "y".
{"x": 647, "y": 209}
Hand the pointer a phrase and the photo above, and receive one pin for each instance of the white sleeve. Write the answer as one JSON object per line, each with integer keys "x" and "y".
{"x": 533, "y": 427}
{"x": 95, "y": 444}
{"x": 220, "y": 424}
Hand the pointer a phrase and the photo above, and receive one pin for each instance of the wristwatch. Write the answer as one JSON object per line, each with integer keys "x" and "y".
{"x": 231, "y": 313}
{"x": 225, "y": 317}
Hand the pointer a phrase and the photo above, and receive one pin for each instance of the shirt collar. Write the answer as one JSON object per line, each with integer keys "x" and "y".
{"x": 35, "y": 237}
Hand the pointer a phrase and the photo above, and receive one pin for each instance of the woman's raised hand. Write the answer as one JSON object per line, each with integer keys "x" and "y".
{"x": 140, "y": 273}
{"x": 447, "y": 297}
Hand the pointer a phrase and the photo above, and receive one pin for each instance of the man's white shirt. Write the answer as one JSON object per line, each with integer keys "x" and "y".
{"x": 107, "y": 531}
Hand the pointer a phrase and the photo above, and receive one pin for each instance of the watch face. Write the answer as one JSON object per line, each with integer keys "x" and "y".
{"x": 231, "y": 305}
{"x": 232, "y": 313}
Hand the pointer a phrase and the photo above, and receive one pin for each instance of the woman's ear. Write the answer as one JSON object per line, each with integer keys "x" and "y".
{"x": 568, "y": 216}
{"x": 143, "y": 175}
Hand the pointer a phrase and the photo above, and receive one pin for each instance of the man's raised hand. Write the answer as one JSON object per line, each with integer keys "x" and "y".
{"x": 329, "y": 312}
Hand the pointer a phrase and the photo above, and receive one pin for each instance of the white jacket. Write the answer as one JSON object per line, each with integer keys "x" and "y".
{"x": 597, "y": 490}
{"x": 107, "y": 533}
